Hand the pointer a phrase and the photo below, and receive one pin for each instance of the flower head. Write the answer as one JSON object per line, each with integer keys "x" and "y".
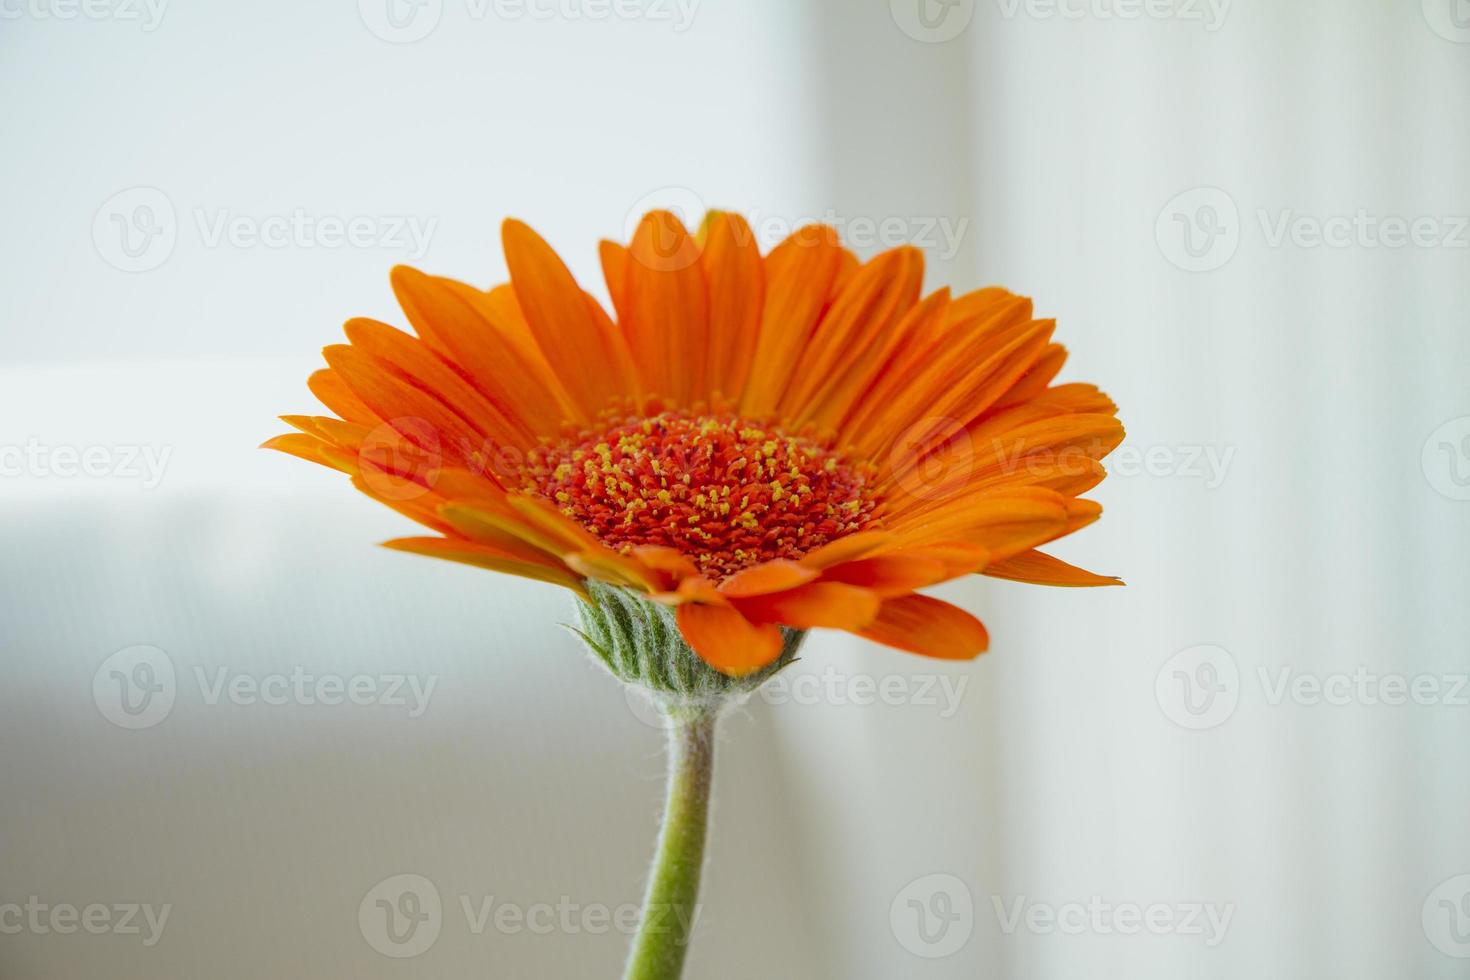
{"x": 796, "y": 439}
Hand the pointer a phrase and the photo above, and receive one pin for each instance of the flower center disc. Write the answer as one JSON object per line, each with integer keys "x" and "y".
{"x": 724, "y": 492}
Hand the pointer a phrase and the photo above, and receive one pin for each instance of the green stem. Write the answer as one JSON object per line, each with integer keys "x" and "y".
{"x": 673, "y": 886}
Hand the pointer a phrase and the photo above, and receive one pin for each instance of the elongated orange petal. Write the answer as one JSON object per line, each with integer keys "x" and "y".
{"x": 772, "y": 576}
{"x": 732, "y": 266}
{"x": 847, "y": 548}
{"x": 726, "y": 640}
{"x": 1040, "y": 568}
{"x": 828, "y": 605}
{"x": 484, "y": 556}
{"x": 798, "y": 273}
{"x": 330, "y": 390}
{"x": 495, "y": 351}
{"x": 860, "y": 322}
{"x": 558, "y": 316}
{"x": 420, "y": 417}
{"x": 926, "y": 626}
{"x": 432, "y": 373}
{"x": 668, "y": 309}
{"x": 890, "y": 575}
{"x": 1003, "y": 524}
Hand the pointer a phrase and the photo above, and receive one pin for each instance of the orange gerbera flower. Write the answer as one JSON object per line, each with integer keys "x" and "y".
{"x": 795, "y": 439}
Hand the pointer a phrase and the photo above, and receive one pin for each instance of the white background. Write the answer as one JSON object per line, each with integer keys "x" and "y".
{"x": 1330, "y": 538}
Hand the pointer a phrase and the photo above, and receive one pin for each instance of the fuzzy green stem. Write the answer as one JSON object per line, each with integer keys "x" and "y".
{"x": 670, "y": 907}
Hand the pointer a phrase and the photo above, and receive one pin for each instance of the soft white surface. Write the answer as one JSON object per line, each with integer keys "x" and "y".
{"x": 1322, "y": 546}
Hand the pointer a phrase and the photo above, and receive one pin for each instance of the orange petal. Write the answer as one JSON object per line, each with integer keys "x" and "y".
{"x": 799, "y": 273}
{"x": 556, "y": 310}
{"x": 494, "y": 350}
{"x": 893, "y": 574}
{"x": 731, "y": 260}
{"x": 926, "y": 626}
{"x": 846, "y": 548}
{"x": 861, "y": 322}
{"x": 1004, "y": 524}
{"x": 484, "y": 556}
{"x": 726, "y": 640}
{"x": 668, "y": 309}
{"x": 420, "y": 417}
{"x": 829, "y": 605}
{"x": 1042, "y": 569}
{"x": 670, "y": 561}
{"x": 771, "y": 576}
{"x": 413, "y": 358}
{"x": 331, "y": 392}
